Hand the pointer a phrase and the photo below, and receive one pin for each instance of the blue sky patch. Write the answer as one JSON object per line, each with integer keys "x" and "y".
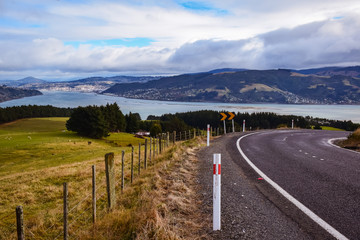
{"x": 13, "y": 23}
{"x": 202, "y": 6}
{"x": 123, "y": 42}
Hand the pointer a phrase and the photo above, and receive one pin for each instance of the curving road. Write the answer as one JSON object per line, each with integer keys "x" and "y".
{"x": 324, "y": 178}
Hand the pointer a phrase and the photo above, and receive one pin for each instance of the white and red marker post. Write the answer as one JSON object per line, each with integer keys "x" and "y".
{"x": 217, "y": 192}
{"x": 208, "y": 135}
{"x": 244, "y": 125}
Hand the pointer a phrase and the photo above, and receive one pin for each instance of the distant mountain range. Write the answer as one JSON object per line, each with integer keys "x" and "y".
{"x": 329, "y": 85}
{"x": 333, "y": 85}
{"x": 9, "y": 93}
{"x": 92, "y": 84}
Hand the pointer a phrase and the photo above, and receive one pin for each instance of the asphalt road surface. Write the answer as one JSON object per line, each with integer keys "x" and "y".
{"x": 324, "y": 178}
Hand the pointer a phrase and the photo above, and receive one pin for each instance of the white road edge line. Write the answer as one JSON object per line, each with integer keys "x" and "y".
{"x": 298, "y": 204}
{"x": 332, "y": 140}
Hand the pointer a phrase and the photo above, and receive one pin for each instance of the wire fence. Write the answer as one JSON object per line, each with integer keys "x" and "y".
{"x": 83, "y": 213}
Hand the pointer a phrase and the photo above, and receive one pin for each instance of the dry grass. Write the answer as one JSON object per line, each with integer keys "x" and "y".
{"x": 353, "y": 141}
{"x": 160, "y": 204}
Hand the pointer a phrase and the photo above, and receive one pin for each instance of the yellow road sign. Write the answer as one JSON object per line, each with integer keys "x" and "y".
{"x": 224, "y": 116}
{"x": 231, "y": 115}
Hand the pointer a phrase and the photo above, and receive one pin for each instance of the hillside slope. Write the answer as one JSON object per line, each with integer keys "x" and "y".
{"x": 9, "y": 93}
{"x": 252, "y": 86}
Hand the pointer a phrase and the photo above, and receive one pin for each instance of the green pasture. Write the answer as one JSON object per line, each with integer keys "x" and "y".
{"x": 37, "y": 143}
{"x": 331, "y": 128}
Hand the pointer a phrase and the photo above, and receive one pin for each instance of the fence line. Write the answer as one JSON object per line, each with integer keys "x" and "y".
{"x": 152, "y": 149}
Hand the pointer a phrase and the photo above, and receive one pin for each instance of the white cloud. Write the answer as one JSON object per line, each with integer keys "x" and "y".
{"x": 331, "y": 42}
{"x": 252, "y": 34}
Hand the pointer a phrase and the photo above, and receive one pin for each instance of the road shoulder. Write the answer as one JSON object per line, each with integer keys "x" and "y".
{"x": 248, "y": 212}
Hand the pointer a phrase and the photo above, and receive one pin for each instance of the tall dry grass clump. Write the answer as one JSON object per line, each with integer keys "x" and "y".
{"x": 160, "y": 204}
{"x": 353, "y": 141}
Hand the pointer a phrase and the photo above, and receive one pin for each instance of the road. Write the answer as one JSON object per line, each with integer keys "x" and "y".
{"x": 324, "y": 178}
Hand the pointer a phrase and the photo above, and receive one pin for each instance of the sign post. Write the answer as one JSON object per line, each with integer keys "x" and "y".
{"x": 208, "y": 135}
{"x": 233, "y": 125}
{"x": 217, "y": 192}
{"x": 224, "y": 116}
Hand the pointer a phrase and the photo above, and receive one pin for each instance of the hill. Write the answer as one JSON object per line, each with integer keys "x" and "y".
{"x": 249, "y": 86}
{"x": 90, "y": 84}
{"x": 333, "y": 71}
{"x": 9, "y": 93}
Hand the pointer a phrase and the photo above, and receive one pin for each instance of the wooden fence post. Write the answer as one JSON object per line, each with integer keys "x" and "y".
{"x": 174, "y": 137}
{"x": 94, "y": 193}
{"x": 20, "y": 223}
{"x": 167, "y": 139}
{"x": 65, "y": 190}
{"x": 180, "y": 137}
{"x": 157, "y": 146}
{"x": 110, "y": 179}
{"x": 150, "y": 150}
{"x": 145, "y": 154}
{"x": 194, "y": 133}
{"x": 122, "y": 171}
{"x": 139, "y": 158}
{"x": 154, "y": 150}
{"x": 160, "y": 143}
{"x": 132, "y": 164}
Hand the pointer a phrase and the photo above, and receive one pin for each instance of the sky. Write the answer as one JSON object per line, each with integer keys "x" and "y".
{"x": 70, "y": 39}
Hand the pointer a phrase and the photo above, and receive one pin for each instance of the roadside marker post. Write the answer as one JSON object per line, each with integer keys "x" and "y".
{"x": 224, "y": 127}
{"x": 233, "y": 125}
{"x": 244, "y": 125}
{"x": 292, "y": 124}
{"x": 217, "y": 192}
{"x": 208, "y": 135}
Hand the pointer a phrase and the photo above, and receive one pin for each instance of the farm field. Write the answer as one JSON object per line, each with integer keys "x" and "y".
{"x": 33, "y": 144}
{"x": 37, "y": 156}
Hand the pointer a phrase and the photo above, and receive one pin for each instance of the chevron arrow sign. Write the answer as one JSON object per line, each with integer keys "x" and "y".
{"x": 228, "y": 115}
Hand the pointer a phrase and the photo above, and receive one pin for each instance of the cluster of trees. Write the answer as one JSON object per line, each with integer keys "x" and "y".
{"x": 97, "y": 122}
{"x": 10, "y": 114}
{"x": 261, "y": 120}
{"x": 345, "y": 125}
{"x": 199, "y": 119}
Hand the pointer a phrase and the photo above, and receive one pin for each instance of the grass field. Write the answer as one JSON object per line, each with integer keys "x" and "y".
{"x": 33, "y": 144}
{"x": 331, "y": 128}
{"x": 37, "y": 156}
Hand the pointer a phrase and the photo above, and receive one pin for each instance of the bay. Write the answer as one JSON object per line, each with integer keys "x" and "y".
{"x": 150, "y": 107}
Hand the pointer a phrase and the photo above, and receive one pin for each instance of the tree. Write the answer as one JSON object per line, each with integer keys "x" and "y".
{"x": 155, "y": 129}
{"x": 114, "y": 117}
{"x": 175, "y": 124}
{"x": 132, "y": 123}
{"x": 88, "y": 121}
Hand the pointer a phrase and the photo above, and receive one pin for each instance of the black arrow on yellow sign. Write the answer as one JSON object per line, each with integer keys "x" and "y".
{"x": 231, "y": 116}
